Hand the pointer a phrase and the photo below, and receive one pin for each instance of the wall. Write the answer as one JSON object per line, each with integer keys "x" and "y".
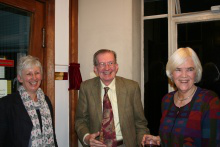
{"x": 107, "y": 24}
{"x": 61, "y": 64}
{"x": 111, "y": 24}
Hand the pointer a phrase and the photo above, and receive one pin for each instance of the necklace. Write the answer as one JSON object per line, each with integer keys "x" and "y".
{"x": 186, "y": 97}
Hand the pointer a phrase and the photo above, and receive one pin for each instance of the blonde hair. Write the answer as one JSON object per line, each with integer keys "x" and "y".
{"x": 179, "y": 57}
{"x": 27, "y": 62}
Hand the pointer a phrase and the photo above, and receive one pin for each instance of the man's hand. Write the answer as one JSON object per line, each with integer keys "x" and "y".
{"x": 150, "y": 139}
{"x": 90, "y": 140}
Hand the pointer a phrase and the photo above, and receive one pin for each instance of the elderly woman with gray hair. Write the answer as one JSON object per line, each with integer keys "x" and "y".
{"x": 26, "y": 116}
{"x": 190, "y": 114}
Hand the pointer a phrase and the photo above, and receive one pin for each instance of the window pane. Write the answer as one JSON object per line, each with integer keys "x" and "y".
{"x": 197, "y": 5}
{"x": 204, "y": 38}
{"x": 155, "y": 58}
{"x": 155, "y": 7}
{"x": 14, "y": 41}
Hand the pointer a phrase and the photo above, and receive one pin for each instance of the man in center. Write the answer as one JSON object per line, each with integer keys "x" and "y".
{"x": 127, "y": 125}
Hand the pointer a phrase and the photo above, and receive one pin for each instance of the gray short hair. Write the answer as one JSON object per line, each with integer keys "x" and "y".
{"x": 28, "y": 62}
{"x": 179, "y": 57}
{"x": 101, "y": 51}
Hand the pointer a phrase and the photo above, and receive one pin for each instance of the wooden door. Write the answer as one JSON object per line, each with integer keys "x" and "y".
{"x": 42, "y": 37}
{"x": 36, "y": 11}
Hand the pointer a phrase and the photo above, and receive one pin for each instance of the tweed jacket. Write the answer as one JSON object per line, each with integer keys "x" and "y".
{"x": 15, "y": 123}
{"x": 88, "y": 116}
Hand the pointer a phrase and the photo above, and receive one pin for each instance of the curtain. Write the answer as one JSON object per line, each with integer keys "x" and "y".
{"x": 75, "y": 78}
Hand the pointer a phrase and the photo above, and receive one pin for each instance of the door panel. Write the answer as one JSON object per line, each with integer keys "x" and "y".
{"x": 36, "y": 11}
{"x": 36, "y": 40}
{"x": 39, "y": 9}
{"x": 37, "y": 23}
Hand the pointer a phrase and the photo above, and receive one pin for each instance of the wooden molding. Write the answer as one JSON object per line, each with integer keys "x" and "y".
{"x": 73, "y": 58}
{"x": 28, "y": 5}
{"x": 49, "y": 57}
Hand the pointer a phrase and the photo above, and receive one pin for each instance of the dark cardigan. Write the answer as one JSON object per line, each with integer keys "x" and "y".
{"x": 15, "y": 123}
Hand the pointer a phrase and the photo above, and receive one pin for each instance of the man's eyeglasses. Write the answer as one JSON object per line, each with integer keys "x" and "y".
{"x": 110, "y": 64}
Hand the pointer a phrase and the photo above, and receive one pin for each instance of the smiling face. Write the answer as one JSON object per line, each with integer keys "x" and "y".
{"x": 184, "y": 76}
{"x": 31, "y": 79}
{"x": 106, "y": 68}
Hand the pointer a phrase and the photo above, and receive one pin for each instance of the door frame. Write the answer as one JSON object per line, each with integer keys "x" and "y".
{"x": 49, "y": 51}
{"x": 73, "y": 58}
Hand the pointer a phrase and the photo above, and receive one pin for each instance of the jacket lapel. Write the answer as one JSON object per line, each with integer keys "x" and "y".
{"x": 96, "y": 92}
{"x": 121, "y": 97}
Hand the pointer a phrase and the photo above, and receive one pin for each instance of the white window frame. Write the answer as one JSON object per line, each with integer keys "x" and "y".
{"x": 173, "y": 21}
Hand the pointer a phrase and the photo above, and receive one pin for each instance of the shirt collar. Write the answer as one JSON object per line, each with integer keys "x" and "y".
{"x": 111, "y": 85}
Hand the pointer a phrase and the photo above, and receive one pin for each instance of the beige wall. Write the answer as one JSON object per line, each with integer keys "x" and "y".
{"x": 110, "y": 24}
{"x": 61, "y": 65}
